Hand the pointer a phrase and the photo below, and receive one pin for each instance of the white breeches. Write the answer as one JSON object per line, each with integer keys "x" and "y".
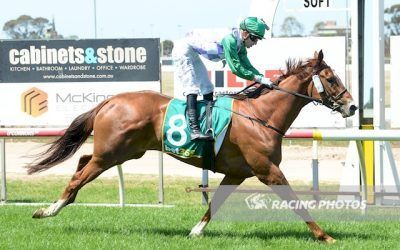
{"x": 191, "y": 72}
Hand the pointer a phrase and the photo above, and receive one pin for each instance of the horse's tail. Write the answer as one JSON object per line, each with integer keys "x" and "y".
{"x": 65, "y": 146}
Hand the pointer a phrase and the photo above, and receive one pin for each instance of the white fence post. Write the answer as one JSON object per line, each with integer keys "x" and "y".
{"x": 314, "y": 166}
{"x": 204, "y": 184}
{"x": 3, "y": 195}
{"x": 121, "y": 186}
{"x": 160, "y": 178}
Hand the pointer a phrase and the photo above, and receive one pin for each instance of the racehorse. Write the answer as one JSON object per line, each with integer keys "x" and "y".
{"x": 125, "y": 126}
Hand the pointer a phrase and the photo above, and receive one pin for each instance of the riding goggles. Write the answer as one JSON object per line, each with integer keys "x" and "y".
{"x": 254, "y": 38}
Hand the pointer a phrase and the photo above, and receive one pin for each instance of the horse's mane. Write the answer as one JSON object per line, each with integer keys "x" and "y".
{"x": 293, "y": 67}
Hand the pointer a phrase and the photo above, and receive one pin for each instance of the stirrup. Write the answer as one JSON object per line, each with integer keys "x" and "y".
{"x": 194, "y": 136}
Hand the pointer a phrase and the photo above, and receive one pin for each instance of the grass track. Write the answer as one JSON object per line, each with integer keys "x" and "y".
{"x": 79, "y": 227}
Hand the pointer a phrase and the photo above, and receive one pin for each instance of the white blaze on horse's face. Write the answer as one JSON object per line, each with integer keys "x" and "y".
{"x": 348, "y": 109}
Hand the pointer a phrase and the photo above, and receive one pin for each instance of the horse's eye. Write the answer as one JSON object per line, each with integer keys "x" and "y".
{"x": 331, "y": 80}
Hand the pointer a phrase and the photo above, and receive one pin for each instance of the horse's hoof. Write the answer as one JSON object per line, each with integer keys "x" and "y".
{"x": 38, "y": 214}
{"x": 194, "y": 235}
{"x": 327, "y": 239}
{"x": 330, "y": 240}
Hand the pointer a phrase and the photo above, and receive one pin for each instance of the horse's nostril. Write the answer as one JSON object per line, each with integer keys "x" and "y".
{"x": 353, "y": 108}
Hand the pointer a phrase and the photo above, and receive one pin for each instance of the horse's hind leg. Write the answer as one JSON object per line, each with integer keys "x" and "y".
{"x": 81, "y": 164}
{"x": 88, "y": 169}
{"x": 278, "y": 183}
{"x": 228, "y": 185}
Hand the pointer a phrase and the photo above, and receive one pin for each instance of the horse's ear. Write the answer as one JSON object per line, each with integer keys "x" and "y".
{"x": 320, "y": 57}
{"x": 315, "y": 54}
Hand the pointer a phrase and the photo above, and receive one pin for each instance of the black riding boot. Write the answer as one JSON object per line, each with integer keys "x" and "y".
{"x": 193, "y": 120}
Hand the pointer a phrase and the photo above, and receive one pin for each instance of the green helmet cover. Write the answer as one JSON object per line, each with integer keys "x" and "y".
{"x": 255, "y": 26}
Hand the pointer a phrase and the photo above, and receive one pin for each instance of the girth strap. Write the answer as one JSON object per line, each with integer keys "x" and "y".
{"x": 255, "y": 119}
{"x": 209, "y": 154}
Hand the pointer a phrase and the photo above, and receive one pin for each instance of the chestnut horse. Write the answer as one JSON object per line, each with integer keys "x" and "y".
{"x": 127, "y": 125}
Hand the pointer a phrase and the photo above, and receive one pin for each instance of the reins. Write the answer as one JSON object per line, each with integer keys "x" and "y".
{"x": 329, "y": 102}
{"x": 264, "y": 123}
{"x": 298, "y": 94}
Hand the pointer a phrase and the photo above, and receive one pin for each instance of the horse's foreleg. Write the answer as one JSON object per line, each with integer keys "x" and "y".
{"x": 278, "y": 183}
{"x": 228, "y": 185}
{"x": 88, "y": 169}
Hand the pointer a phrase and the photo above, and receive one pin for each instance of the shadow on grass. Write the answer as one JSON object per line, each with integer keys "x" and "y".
{"x": 265, "y": 235}
{"x": 24, "y": 201}
{"x": 217, "y": 233}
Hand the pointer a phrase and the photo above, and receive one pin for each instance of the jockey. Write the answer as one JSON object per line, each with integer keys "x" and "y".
{"x": 230, "y": 45}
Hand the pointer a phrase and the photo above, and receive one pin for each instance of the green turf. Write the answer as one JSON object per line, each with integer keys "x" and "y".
{"x": 78, "y": 227}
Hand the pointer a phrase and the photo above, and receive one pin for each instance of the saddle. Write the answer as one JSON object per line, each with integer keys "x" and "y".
{"x": 214, "y": 118}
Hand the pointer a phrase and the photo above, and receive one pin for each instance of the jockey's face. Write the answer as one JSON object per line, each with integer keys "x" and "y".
{"x": 248, "y": 39}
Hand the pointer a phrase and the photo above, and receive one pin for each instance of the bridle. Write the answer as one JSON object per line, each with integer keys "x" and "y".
{"x": 326, "y": 99}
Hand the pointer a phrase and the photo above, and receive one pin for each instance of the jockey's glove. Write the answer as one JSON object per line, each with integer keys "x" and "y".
{"x": 263, "y": 80}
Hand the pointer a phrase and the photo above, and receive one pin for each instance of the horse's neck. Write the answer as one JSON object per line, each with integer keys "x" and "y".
{"x": 280, "y": 109}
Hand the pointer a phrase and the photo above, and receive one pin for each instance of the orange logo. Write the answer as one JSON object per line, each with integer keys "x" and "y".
{"x": 34, "y": 102}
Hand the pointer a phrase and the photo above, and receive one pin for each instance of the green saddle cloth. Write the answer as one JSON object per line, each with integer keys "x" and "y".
{"x": 176, "y": 133}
